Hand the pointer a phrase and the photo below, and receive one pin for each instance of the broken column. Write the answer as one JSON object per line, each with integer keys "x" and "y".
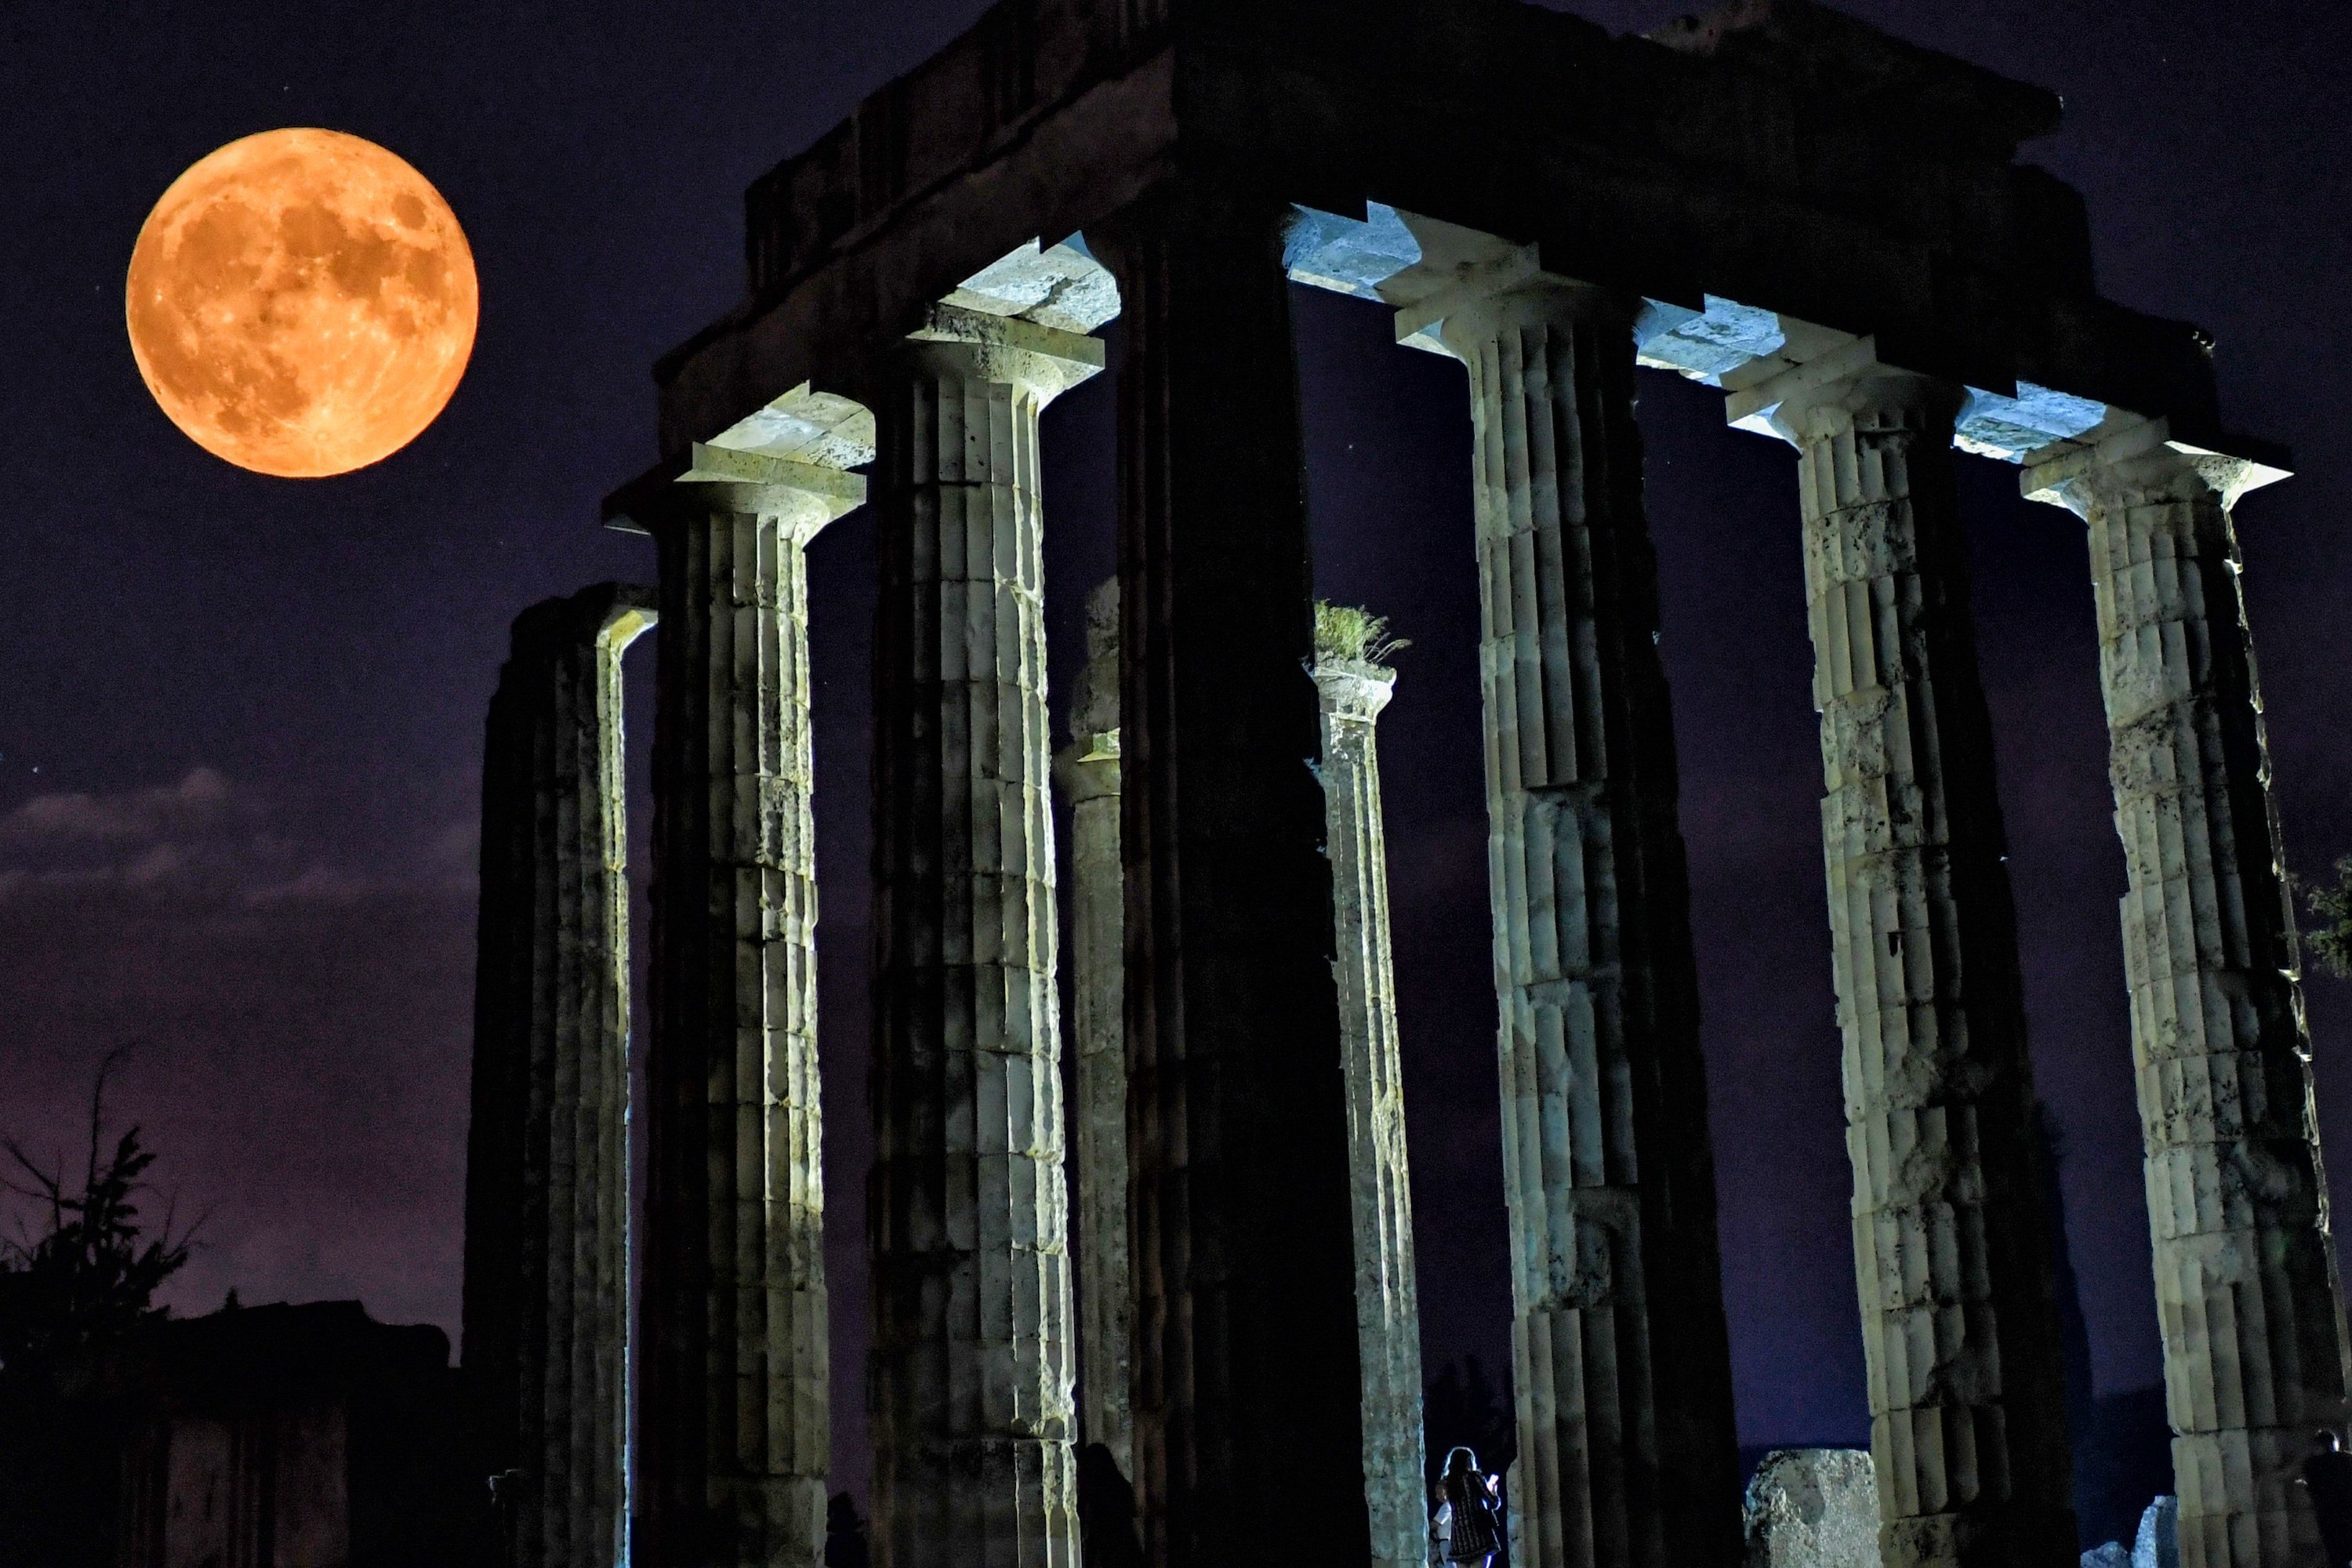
{"x": 1087, "y": 770}
{"x": 547, "y": 1202}
{"x": 1621, "y": 1356}
{"x": 734, "y": 1433}
{"x": 2247, "y": 1295}
{"x": 1355, "y": 686}
{"x": 1246, "y": 1390}
{"x": 1959, "y": 1336}
{"x": 968, "y": 1212}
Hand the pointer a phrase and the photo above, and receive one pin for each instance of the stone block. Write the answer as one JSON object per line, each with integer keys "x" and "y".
{"x": 2158, "y": 1545}
{"x": 1815, "y": 1508}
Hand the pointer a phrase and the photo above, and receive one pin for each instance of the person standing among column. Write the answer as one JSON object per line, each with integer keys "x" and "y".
{"x": 2246, "y": 1286}
{"x": 735, "y": 1436}
{"x": 1355, "y": 686}
{"x": 972, "y": 1375}
{"x": 1620, "y": 1358}
{"x": 547, "y": 1202}
{"x": 1087, "y": 769}
{"x": 1960, "y": 1339}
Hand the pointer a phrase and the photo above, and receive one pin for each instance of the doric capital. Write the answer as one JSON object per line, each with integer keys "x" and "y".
{"x": 724, "y": 481}
{"x": 608, "y": 615}
{"x": 1469, "y": 286}
{"x": 1087, "y": 768}
{"x": 2137, "y": 463}
{"x": 1826, "y": 393}
{"x": 1353, "y": 689}
{"x": 976, "y": 345}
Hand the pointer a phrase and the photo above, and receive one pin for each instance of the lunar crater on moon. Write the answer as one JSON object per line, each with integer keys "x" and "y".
{"x": 302, "y": 302}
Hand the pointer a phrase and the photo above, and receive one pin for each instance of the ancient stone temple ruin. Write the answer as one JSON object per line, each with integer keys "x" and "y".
{"x": 1830, "y": 226}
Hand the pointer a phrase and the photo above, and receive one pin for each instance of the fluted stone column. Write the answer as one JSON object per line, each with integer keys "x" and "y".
{"x": 1621, "y": 1357}
{"x": 968, "y": 1212}
{"x": 1959, "y": 1336}
{"x": 1387, "y": 1307}
{"x": 735, "y": 1439}
{"x": 1247, "y": 1430}
{"x": 547, "y": 1289}
{"x": 1087, "y": 770}
{"x": 2246, "y": 1288}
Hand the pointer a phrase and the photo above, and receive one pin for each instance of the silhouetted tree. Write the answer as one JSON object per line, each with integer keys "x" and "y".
{"x": 87, "y": 1274}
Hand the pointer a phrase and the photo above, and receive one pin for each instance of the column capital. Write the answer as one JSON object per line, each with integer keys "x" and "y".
{"x": 608, "y": 615}
{"x": 1354, "y": 690}
{"x": 1087, "y": 768}
{"x": 2138, "y": 463}
{"x": 1469, "y": 285}
{"x": 802, "y": 497}
{"x": 1826, "y": 392}
{"x": 1042, "y": 361}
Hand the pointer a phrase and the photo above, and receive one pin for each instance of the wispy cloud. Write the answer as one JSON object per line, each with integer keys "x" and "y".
{"x": 203, "y": 839}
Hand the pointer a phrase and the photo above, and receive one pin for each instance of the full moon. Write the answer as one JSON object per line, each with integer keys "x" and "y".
{"x": 302, "y": 303}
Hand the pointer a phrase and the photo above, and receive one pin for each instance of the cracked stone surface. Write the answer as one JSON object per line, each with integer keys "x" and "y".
{"x": 1388, "y": 1305}
{"x": 2247, "y": 1293}
{"x": 1813, "y": 1508}
{"x": 1959, "y": 1338}
{"x": 1620, "y": 1359}
{"x": 735, "y": 1420}
{"x": 970, "y": 1373}
{"x": 547, "y": 1289}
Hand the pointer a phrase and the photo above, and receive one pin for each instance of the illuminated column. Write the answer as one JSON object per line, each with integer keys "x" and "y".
{"x": 1388, "y": 1308}
{"x": 734, "y": 1431}
{"x": 2246, "y": 1289}
{"x": 1960, "y": 1337}
{"x": 968, "y": 1211}
{"x": 1620, "y": 1358}
{"x": 547, "y": 1292}
{"x": 1087, "y": 769}
{"x": 1247, "y": 1430}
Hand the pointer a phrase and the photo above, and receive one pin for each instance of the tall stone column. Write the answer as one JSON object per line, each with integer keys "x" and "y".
{"x": 968, "y": 1212}
{"x": 735, "y": 1439}
{"x": 1354, "y": 690}
{"x": 547, "y": 1202}
{"x": 2246, "y": 1288}
{"x": 1087, "y": 770}
{"x": 1246, "y": 1390}
{"x": 1621, "y": 1357}
{"x": 1959, "y": 1336}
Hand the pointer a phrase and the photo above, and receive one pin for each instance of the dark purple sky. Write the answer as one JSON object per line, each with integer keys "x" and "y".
{"x": 239, "y": 717}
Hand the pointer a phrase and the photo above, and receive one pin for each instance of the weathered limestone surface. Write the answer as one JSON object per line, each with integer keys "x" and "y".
{"x": 547, "y": 1290}
{"x": 734, "y": 1423}
{"x": 1246, "y": 1389}
{"x": 1813, "y": 1508}
{"x": 1087, "y": 769}
{"x": 1387, "y": 1307}
{"x": 1620, "y": 1359}
{"x": 2247, "y": 1293}
{"x": 1959, "y": 1335}
{"x": 967, "y": 1211}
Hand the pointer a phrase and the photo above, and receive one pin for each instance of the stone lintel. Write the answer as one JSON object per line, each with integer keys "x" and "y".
{"x": 1050, "y": 115}
{"x": 1064, "y": 288}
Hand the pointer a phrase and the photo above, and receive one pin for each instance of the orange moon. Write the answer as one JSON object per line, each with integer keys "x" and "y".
{"x": 302, "y": 303}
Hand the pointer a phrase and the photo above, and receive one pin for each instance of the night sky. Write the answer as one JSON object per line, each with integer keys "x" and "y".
{"x": 241, "y": 718}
